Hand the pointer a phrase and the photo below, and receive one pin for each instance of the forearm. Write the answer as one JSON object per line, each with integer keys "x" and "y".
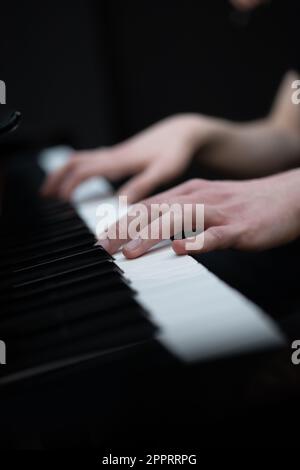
{"x": 260, "y": 147}
{"x": 253, "y": 149}
{"x": 291, "y": 180}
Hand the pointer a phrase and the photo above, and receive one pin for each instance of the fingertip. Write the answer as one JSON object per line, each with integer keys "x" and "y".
{"x": 129, "y": 254}
{"x": 134, "y": 249}
{"x": 179, "y": 247}
{"x": 131, "y": 196}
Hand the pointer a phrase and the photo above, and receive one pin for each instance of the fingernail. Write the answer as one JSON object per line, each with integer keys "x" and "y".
{"x": 133, "y": 244}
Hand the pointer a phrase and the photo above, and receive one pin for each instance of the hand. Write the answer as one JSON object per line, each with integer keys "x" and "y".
{"x": 249, "y": 215}
{"x": 247, "y": 4}
{"x": 154, "y": 157}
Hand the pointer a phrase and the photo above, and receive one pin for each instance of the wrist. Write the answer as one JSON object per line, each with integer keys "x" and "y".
{"x": 294, "y": 193}
{"x": 204, "y": 130}
{"x": 287, "y": 187}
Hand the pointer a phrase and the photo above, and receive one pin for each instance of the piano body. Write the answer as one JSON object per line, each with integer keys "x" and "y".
{"x": 103, "y": 351}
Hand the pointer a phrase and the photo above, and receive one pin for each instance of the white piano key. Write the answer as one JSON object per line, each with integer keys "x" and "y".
{"x": 199, "y": 316}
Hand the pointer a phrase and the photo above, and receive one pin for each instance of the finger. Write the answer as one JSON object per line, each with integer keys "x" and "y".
{"x": 107, "y": 168}
{"x": 214, "y": 238}
{"x": 74, "y": 179}
{"x": 183, "y": 189}
{"x": 196, "y": 188}
{"x": 124, "y": 229}
{"x": 54, "y": 180}
{"x": 171, "y": 223}
{"x": 142, "y": 184}
{"x": 151, "y": 235}
{"x": 81, "y": 167}
{"x": 148, "y": 211}
{"x": 167, "y": 196}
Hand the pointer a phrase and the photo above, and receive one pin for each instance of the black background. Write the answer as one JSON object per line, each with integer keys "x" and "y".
{"x": 98, "y": 71}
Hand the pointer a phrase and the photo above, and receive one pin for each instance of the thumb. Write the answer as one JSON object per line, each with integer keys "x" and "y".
{"x": 214, "y": 238}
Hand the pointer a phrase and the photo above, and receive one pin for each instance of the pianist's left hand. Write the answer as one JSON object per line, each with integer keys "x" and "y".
{"x": 254, "y": 214}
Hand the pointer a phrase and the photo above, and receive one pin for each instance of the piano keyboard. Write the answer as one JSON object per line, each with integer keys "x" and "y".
{"x": 199, "y": 316}
{"x": 64, "y": 300}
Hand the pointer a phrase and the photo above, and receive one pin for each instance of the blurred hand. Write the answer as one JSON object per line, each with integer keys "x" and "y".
{"x": 249, "y": 215}
{"x": 247, "y": 4}
{"x": 154, "y": 157}
{"x": 161, "y": 153}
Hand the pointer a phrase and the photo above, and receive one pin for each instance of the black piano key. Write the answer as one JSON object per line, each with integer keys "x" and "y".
{"x": 65, "y": 312}
{"x": 53, "y": 240}
{"x": 24, "y": 257}
{"x": 74, "y": 351}
{"x": 64, "y": 282}
{"x": 51, "y": 251}
{"x": 44, "y": 233}
{"x": 105, "y": 327}
{"x": 50, "y": 216}
{"x": 14, "y": 240}
{"x": 61, "y": 296}
{"x": 50, "y": 255}
{"x": 83, "y": 256}
{"x": 59, "y": 267}
{"x": 29, "y": 304}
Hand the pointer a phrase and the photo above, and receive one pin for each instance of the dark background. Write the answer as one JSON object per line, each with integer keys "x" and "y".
{"x": 92, "y": 73}
{"x": 97, "y": 71}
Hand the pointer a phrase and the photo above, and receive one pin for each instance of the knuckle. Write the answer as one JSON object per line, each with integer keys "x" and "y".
{"x": 83, "y": 172}
{"x": 217, "y": 233}
{"x": 244, "y": 233}
{"x": 72, "y": 164}
{"x": 222, "y": 215}
{"x": 76, "y": 173}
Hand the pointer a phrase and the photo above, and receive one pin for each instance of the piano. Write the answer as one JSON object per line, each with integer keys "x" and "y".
{"x": 65, "y": 300}
{"x": 68, "y": 306}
